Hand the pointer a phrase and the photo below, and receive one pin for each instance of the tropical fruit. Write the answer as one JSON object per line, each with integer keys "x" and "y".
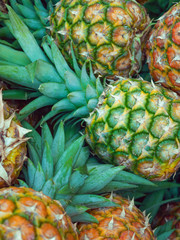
{"x": 111, "y": 34}
{"x": 131, "y": 122}
{"x": 169, "y": 212}
{"x": 131, "y": 126}
{"x": 62, "y": 168}
{"x": 123, "y": 222}
{"x": 163, "y": 49}
{"x": 12, "y": 145}
{"x": 27, "y": 214}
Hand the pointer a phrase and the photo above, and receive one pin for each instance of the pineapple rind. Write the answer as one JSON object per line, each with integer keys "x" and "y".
{"x": 27, "y": 214}
{"x": 134, "y": 125}
{"x": 163, "y": 49}
{"x": 109, "y": 33}
{"x": 122, "y": 222}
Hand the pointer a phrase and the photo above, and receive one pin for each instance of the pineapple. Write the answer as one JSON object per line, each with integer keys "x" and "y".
{"x": 125, "y": 222}
{"x": 60, "y": 168}
{"x": 163, "y": 50}
{"x": 167, "y": 212}
{"x": 111, "y": 34}
{"x": 130, "y": 122}
{"x": 12, "y": 145}
{"x": 27, "y": 214}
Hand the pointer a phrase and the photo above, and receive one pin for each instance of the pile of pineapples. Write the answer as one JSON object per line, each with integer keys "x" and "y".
{"x": 89, "y": 120}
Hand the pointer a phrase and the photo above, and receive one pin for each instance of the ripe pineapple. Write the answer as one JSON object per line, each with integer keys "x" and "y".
{"x": 131, "y": 122}
{"x": 60, "y": 168}
{"x": 125, "y": 222}
{"x": 110, "y": 33}
{"x": 12, "y": 145}
{"x": 163, "y": 49}
{"x": 27, "y": 214}
{"x": 169, "y": 211}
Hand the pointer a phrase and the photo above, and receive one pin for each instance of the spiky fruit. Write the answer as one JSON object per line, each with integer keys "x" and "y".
{"x": 110, "y": 33}
{"x": 12, "y": 145}
{"x": 26, "y": 214}
{"x": 60, "y": 167}
{"x": 163, "y": 49}
{"x": 135, "y": 123}
{"x": 125, "y": 222}
{"x": 168, "y": 212}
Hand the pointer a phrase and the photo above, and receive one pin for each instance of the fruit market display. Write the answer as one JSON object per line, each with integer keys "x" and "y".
{"x": 128, "y": 121}
{"x": 98, "y": 106}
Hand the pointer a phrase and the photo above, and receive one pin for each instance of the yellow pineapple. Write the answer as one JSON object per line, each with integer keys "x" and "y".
{"x": 129, "y": 122}
{"x": 124, "y": 222}
{"x": 28, "y": 215}
{"x": 110, "y": 33}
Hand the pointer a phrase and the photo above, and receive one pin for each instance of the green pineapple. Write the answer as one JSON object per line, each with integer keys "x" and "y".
{"x": 130, "y": 122}
{"x": 112, "y": 34}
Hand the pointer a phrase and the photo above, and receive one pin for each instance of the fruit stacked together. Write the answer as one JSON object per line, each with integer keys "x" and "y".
{"x": 129, "y": 122}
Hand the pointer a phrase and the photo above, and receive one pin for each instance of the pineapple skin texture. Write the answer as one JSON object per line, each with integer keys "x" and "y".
{"x": 168, "y": 212}
{"x": 109, "y": 33}
{"x": 32, "y": 215}
{"x": 13, "y": 163}
{"x": 163, "y": 50}
{"x": 137, "y": 124}
{"x": 123, "y": 223}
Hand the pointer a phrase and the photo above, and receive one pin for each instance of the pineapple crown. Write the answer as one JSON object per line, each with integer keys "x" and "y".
{"x": 47, "y": 75}
{"x": 62, "y": 168}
